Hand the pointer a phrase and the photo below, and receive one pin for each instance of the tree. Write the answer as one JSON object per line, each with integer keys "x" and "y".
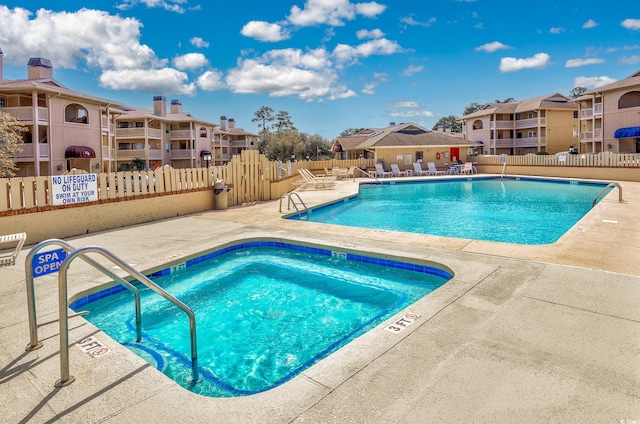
{"x": 449, "y": 121}
{"x": 507, "y": 100}
{"x": 473, "y": 107}
{"x": 282, "y": 145}
{"x": 283, "y": 121}
{"x": 137, "y": 164}
{"x": 350, "y": 131}
{"x": 577, "y": 92}
{"x": 10, "y": 143}
{"x": 264, "y": 116}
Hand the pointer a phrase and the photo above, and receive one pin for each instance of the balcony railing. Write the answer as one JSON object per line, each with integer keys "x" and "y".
{"x": 183, "y": 154}
{"x": 138, "y": 133}
{"x": 181, "y": 134}
{"x": 597, "y": 109}
{"x": 501, "y": 125}
{"x": 28, "y": 151}
{"x": 26, "y": 113}
{"x": 518, "y": 142}
{"x": 527, "y": 123}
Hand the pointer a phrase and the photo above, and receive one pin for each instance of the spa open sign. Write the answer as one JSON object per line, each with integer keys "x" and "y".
{"x": 72, "y": 189}
{"x": 47, "y": 262}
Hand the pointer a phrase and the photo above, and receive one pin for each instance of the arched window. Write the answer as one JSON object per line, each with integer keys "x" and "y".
{"x": 203, "y": 132}
{"x": 76, "y": 113}
{"x": 630, "y": 99}
{"x": 477, "y": 124}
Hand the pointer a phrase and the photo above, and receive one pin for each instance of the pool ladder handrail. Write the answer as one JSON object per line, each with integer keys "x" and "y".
{"x": 34, "y": 343}
{"x": 291, "y": 201}
{"x": 368, "y": 174}
{"x": 595, "y": 199}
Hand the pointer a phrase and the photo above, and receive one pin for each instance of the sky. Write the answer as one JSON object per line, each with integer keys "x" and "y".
{"x": 331, "y": 64}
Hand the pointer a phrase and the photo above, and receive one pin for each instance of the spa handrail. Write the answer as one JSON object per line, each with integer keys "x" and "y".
{"x": 595, "y": 199}
{"x": 34, "y": 343}
{"x": 367, "y": 173}
{"x": 65, "y": 378}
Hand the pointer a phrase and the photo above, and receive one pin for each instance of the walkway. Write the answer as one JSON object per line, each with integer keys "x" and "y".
{"x": 520, "y": 334}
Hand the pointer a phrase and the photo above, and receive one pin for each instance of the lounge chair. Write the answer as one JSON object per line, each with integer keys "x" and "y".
{"x": 351, "y": 173}
{"x": 396, "y": 172}
{"x": 451, "y": 170}
{"x": 380, "y": 172}
{"x": 9, "y": 258}
{"x": 433, "y": 170}
{"x": 315, "y": 183}
{"x": 467, "y": 168}
{"x": 417, "y": 169}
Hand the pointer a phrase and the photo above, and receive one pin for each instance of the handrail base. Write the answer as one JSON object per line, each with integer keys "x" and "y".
{"x": 31, "y": 347}
{"x": 65, "y": 383}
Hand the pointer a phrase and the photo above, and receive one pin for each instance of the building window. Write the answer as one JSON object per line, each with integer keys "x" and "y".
{"x": 139, "y": 124}
{"x": 203, "y": 132}
{"x": 477, "y": 124}
{"x": 76, "y": 113}
{"x": 3, "y": 102}
{"x": 630, "y": 99}
{"x": 575, "y": 114}
{"x": 530, "y": 116}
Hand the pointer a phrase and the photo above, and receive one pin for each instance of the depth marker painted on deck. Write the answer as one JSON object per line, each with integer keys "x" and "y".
{"x": 92, "y": 347}
{"x": 399, "y": 325}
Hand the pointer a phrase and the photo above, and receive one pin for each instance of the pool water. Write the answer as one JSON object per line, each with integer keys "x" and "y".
{"x": 263, "y": 314}
{"x": 522, "y": 211}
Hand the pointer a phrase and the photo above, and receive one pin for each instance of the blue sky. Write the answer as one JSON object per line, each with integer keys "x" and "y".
{"x": 332, "y": 64}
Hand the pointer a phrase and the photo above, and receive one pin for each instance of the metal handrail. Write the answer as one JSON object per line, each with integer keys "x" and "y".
{"x": 34, "y": 343}
{"x": 595, "y": 199}
{"x": 370, "y": 175}
{"x": 65, "y": 378}
{"x": 291, "y": 201}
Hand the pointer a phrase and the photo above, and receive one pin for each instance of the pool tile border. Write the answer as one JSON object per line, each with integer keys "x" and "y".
{"x": 391, "y": 263}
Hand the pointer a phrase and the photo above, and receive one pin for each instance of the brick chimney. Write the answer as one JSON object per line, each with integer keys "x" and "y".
{"x": 39, "y": 68}
{"x": 159, "y": 105}
{"x": 176, "y": 106}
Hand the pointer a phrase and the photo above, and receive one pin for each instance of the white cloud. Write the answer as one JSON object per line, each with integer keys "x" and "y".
{"x": 345, "y": 53}
{"x": 590, "y": 24}
{"x": 199, "y": 42}
{"x": 556, "y": 30}
{"x": 66, "y": 38}
{"x": 630, "y": 60}
{"x": 410, "y": 21}
{"x": 512, "y": 64}
{"x": 170, "y": 5}
{"x": 409, "y": 109}
{"x": 288, "y": 72}
{"x": 190, "y": 61}
{"x": 369, "y": 88}
{"x": 264, "y": 31}
{"x": 411, "y": 70}
{"x": 575, "y": 63}
{"x": 332, "y": 12}
{"x": 632, "y": 24}
{"x": 211, "y": 81}
{"x": 592, "y": 82}
{"x": 165, "y": 81}
{"x": 492, "y": 47}
{"x": 380, "y": 77}
{"x": 374, "y": 33}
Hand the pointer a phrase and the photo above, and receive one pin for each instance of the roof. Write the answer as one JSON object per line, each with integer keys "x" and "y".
{"x": 403, "y": 135}
{"x": 547, "y": 101}
{"x": 140, "y": 113}
{"x": 632, "y": 80}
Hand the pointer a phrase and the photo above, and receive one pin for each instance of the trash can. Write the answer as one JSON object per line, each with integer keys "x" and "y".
{"x": 220, "y": 190}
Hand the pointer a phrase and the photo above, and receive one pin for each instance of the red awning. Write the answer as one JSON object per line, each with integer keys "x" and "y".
{"x": 79, "y": 152}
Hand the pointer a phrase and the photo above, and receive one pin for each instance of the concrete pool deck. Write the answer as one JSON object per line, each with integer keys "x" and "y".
{"x": 520, "y": 334}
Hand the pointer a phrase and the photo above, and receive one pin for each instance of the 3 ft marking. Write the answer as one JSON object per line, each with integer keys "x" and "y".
{"x": 402, "y": 323}
{"x": 93, "y": 347}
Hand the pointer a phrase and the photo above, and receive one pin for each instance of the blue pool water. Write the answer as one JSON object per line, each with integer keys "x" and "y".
{"x": 522, "y": 211}
{"x": 265, "y": 311}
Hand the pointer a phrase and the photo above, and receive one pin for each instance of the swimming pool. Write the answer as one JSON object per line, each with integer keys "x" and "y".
{"x": 265, "y": 311}
{"x": 512, "y": 210}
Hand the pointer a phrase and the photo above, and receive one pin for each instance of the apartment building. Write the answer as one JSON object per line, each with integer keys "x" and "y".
{"x": 610, "y": 117}
{"x": 541, "y": 124}
{"x": 230, "y": 140}
{"x": 68, "y": 129}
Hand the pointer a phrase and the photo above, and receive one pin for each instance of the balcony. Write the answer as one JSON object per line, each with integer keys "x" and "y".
{"x": 151, "y": 154}
{"x": 529, "y": 123}
{"x": 138, "y": 133}
{"x": 597, "y": 109}
{"x": 26, "y": 113}
{"x": 181, "y": 134}
{"x": 108, "y": 153}
{"x": 28, "y": 151}
{"x": 502, "y": 125}
{"x": 183, "y": 154}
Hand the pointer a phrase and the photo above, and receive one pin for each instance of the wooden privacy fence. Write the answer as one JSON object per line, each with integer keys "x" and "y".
{"x": 604, "y": 159}
{"x": 249, "y": 176}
